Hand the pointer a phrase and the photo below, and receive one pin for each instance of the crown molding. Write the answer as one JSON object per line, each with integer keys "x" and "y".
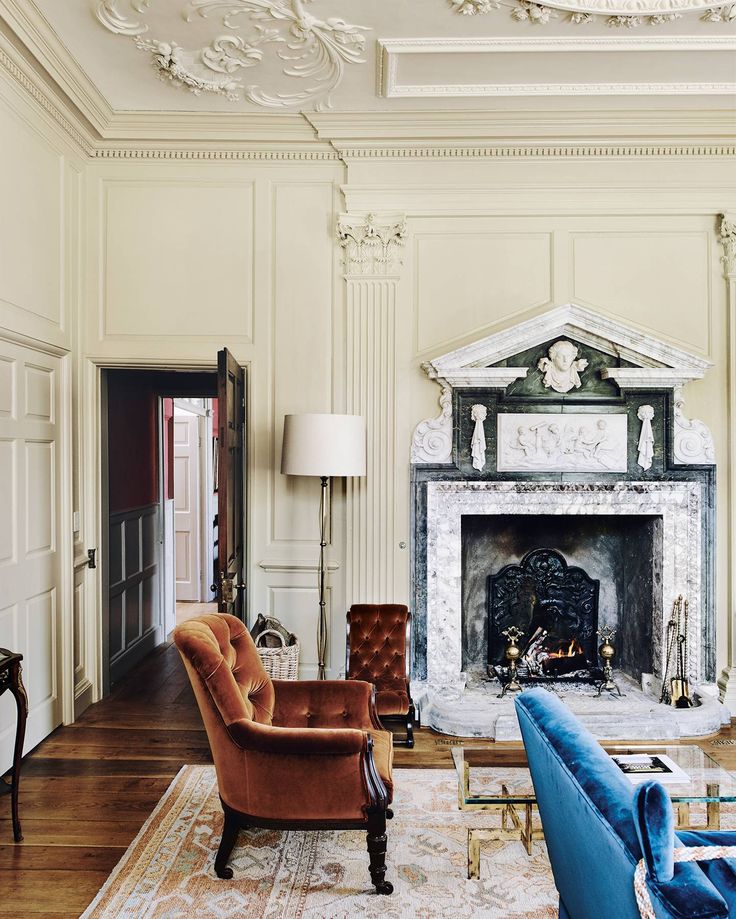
{"x": 25, "y": 24}
{"x": 34, "y": 57}
{"x": 475, "y": 128}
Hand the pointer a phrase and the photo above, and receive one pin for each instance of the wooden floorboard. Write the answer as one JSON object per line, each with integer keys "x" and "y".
{"x": 88, "y": 788}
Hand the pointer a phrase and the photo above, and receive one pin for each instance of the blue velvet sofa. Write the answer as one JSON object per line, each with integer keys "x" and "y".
{"x": 597, "y": 826}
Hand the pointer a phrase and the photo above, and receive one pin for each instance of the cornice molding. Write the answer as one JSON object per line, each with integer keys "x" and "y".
{"x": 527, "y": 151}
{"x": 31, "y": 28}
{"x": 28, "y": 82}
{"x": 331, "y": 137}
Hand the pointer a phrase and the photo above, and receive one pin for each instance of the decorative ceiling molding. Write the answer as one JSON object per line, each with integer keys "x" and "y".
{"x": 396, "y": 54}
{"x": 313, "y": 50}
{"x": 653, "y": 12}
{"x": 330, "y": 137}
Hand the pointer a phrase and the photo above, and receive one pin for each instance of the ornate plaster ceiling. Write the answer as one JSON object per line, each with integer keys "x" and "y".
{"x": 349, "y": 55}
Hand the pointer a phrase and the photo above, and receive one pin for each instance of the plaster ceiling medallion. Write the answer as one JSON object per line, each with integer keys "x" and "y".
{"x": 617, "y": 13}
{"x": 312, "y": 50}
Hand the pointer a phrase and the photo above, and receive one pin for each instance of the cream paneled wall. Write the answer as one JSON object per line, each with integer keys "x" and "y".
{"x": 180, "y": 256}
{"x": 184, "y": 259}
{"x": 41, "y": 181}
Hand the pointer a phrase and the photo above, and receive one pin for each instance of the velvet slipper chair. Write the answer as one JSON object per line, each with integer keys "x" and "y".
{"x": 288, "y": 754}
{"x": 379, "y": 652}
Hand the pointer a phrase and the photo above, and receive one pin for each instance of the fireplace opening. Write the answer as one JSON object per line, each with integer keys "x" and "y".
{"x": 555, "y": 606}
{"x": 623, "y": 554}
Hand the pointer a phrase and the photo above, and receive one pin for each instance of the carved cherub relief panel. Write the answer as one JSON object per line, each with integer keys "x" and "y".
{"x": 562, "y": 367}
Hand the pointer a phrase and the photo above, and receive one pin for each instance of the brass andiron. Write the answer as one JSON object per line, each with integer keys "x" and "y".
{"x": 513, "y": 653}
{"x": 607, "y": 653}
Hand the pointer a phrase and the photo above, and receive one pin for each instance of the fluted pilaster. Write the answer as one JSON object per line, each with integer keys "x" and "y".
{"x": 372, "y": 250}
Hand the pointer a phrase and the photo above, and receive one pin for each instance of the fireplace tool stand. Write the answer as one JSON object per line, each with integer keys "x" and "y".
{"x": 607, "y": 653}
{"x": 512, "y": 654}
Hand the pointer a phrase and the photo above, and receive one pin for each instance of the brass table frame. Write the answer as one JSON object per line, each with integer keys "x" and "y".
{"x": 517, "y": 817}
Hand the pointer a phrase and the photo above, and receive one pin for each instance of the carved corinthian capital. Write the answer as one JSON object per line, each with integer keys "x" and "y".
{"x": 728, "y": 241}
{"x": 371, "y": 244}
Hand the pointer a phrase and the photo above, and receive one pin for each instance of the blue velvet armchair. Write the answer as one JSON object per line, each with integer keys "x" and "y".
{"x": 597, "y": 827}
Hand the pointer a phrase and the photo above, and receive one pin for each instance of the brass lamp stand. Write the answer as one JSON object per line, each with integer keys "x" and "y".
{"x": 323, "y": 445}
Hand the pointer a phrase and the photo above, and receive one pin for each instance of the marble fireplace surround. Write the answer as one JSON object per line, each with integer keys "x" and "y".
{"x": 680, "y": 504}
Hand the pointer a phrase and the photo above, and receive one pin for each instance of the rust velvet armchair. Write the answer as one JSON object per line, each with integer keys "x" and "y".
{"x": 378, "y": 651}
{"x": 288, "y": 754}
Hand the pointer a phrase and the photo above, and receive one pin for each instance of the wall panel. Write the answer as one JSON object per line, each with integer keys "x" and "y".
{"x": 178, "y": 259}
{"x": 302, "y": 341}
{"x": 465, "y": 281}
{"x": 659, "y": 280}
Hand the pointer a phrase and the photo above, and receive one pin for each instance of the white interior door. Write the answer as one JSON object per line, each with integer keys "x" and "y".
{"x": 187, "y": 520}
{"x": 30, "y": 507}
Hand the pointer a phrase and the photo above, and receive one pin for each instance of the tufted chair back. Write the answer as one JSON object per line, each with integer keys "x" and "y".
{"x": 229, "y": 684}
{"x": 219, "y": 648}
{"x": 377, "y": 644}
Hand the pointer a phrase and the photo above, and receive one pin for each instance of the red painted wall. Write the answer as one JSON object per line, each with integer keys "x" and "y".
{"x": 168, "y": 439}
{"x": 132, "y": 431}
{"x": 132, "y": 446}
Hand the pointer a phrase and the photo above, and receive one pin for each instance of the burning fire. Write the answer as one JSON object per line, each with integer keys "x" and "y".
{"x": 572, "y": 650}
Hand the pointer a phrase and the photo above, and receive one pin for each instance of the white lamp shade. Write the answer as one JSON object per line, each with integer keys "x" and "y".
{"x": 324, "y": 445}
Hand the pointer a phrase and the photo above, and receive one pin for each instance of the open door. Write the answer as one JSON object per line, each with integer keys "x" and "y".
{"x": 230, "y": 501}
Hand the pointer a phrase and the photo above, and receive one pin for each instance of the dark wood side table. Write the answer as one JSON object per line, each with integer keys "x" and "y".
{"x": 10, "y": 679}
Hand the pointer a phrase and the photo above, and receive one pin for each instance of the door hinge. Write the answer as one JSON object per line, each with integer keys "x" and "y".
{"x": 91, "y": 558}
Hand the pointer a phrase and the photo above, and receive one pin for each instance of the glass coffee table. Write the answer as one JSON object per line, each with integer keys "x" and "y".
{"x": 497, "y": 779}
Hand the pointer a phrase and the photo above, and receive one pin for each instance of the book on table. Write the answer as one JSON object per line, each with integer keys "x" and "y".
{"x": 640, "y": 766}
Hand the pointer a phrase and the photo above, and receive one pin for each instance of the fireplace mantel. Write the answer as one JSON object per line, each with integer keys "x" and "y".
{"x": 594, "y": 426}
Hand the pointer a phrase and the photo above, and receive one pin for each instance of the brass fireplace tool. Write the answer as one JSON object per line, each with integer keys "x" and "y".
{"x": 513, "y": 653}
{"x": 676, "y": 691}
{"x": 607, "y": 653}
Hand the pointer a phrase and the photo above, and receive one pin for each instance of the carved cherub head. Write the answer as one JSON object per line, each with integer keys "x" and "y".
{"x": 562, "y": 367}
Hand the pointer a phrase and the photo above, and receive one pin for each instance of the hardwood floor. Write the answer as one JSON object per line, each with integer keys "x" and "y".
{"x": 87, "y": 789}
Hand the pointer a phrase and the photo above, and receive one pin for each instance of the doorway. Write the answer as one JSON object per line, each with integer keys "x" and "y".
{"x": 163, "y": 464}
{"x": 190, "y": 507}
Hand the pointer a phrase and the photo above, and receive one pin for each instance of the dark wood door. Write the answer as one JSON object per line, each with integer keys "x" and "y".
{"x": 231, "y": 498}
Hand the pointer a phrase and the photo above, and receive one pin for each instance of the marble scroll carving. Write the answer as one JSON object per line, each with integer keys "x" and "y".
{"x": 562, "y": 442}
{"x": 432, "y": 441}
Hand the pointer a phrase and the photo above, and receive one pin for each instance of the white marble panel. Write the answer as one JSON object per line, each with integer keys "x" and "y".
{"x": 546, "y": 442}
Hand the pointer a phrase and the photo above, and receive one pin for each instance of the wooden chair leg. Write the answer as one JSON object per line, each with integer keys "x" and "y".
{"x": 410, "y": 718}
{"x": 376, "y": 839}
{"x": 230, "y": 832}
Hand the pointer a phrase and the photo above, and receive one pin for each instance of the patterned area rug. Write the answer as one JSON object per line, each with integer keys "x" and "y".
{"x": 168, "y": 869}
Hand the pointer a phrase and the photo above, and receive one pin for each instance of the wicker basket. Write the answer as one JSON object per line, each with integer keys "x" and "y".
{"x": 281, "y": 663}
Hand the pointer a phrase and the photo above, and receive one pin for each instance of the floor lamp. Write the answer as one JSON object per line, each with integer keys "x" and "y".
{"x": 325, "y": 446}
